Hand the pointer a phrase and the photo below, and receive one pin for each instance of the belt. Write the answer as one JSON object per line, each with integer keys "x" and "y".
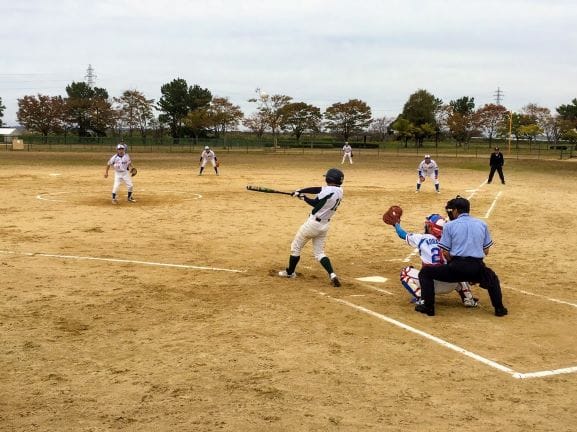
{"x": 466, "y": 258}
{"x": 320, "y": 220}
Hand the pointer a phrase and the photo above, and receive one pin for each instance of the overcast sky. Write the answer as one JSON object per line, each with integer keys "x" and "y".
{"x": 317, "y": 51}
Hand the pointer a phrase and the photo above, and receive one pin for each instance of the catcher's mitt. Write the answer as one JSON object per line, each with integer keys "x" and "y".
{"x": 133, "y": 171}
{"x": 393, "y": 215}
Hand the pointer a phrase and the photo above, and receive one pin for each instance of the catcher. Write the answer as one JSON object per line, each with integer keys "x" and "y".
{"x": 430, "y": 253}
{"x": 123, "y": 172}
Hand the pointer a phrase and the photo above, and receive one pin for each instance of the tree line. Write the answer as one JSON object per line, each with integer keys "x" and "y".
{"x": 192, "y": 111}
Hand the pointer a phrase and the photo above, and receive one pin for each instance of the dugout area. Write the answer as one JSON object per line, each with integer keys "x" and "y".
{"x": 166, "y": 314}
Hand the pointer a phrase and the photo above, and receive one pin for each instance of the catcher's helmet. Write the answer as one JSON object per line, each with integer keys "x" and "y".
{"x": 334, "y": 176}
{"x": 434, "y": 225}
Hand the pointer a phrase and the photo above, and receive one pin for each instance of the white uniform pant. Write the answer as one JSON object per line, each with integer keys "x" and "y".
{"x": 120, "y": 177}
{"x": 311, "y": 230}
{"x": 204, "y": 161}
{"x": 431, "y": 176}
{"x": 410, "y": 280}
{"x": 349, "y": 156}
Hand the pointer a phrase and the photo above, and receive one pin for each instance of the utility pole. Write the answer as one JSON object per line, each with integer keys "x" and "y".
{"x": 90, "y": 77}
{"x": 498, "y": 96}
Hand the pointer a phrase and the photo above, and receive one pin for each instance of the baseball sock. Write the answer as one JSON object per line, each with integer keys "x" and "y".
{"x": 418, "y": 186}
{"x": 293, "y": 261}
{"x": 201, "y": 170}
{"x": 437, "y": 187}
{"x": 113, "y": 196}
{"x": 326, "y": 263}
{"x": 129, "y": 195}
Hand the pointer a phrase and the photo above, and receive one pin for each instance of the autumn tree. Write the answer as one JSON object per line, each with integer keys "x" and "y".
{"x": 2, "y": 108}
{"x": 43, "y": 114}
{"x": 197, "y": 121}
{"x": 134, "y": 111}
{"x": 461, "y": 120}
{"x": 178, "y": 100}
{"x": 489, "y": 118}
{"x": 300, "y": 117}
{"x": 270, "y": 109}
{"x": 255, "y": 123}
{"x": 346, "y": 119}
{"x": 223, "y": 115}
{"x": 380, "y": 127}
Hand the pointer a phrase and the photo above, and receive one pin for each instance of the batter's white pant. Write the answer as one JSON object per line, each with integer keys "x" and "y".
{"x": 311, "y": 230}
{"x": 120, "y": 177}
{"x": 431, "y": 176}
{"x": 204, "y": 161}
{"x": 349, "y": 156}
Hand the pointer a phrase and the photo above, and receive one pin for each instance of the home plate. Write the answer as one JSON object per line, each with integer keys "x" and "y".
{"x": 378, "y": 279}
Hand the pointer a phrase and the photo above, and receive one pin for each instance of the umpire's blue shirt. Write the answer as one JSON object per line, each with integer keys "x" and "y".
{"x": 466, "y": 236}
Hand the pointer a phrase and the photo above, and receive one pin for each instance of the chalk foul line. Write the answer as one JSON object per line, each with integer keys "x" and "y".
{"x": 121, "y": 261}
{"x": 456, "y": 348}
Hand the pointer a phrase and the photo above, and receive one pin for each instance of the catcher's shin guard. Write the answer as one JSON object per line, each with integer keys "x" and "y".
{"x": 409, "y": 277}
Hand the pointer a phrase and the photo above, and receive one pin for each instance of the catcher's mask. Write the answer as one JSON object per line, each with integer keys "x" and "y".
{"x": 434, "y": 225}
{"x": 334, "y": 176}
{"x": 458, "y": 204}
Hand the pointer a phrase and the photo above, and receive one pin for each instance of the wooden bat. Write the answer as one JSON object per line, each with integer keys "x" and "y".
{"x": 266, "y": 190}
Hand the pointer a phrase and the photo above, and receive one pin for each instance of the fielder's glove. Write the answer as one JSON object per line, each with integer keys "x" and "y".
{"x": 393, "y": 215}
{"x": 133, "y": 171}
{"x": 422, "y": 178}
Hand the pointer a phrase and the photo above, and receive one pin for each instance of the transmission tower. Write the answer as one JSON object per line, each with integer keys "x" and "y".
{"x": 498, "y": 96}
{"x": 90, "y": 77}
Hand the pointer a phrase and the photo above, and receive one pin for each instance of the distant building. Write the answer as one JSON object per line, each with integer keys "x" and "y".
{"x": 8, "y": 134}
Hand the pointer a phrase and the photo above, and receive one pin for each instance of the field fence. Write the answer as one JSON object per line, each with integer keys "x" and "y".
{"x": 475, "y": 149}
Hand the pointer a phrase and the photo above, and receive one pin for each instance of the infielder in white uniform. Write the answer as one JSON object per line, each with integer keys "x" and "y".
{"x": 347, "y": 153}
{"x": 428, "y": 168}
{"x": 122, "y": 165}
{"x": 205, "y": 156}
{"x": 430, "y": 253}
{"x": 316, "y": 227}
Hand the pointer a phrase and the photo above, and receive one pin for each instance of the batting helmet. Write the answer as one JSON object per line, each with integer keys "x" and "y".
{"x": 434, "y": 225}
{"x": 334, "y": 176}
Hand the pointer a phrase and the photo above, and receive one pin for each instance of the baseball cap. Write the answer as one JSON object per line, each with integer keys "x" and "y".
{"x": 496, "y": 148}
{"x": 206, "y": 147}
{"x": 427, "y": 156}
{"x": 120, "y": 146}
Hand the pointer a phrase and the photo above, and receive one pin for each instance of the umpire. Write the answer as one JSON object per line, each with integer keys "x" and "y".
{"x": 496, "y": 162}
{"x": 465, "y": 242}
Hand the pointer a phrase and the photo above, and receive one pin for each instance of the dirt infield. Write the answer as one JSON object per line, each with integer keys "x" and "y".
{"x": 166, "y": 314}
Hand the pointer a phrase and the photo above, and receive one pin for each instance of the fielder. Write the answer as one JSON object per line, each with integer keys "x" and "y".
{"x": 122, "y": 165}
{"x": 316, "y": 227}
{"x": 208, "y": 155}
{"x": 428, "y": 168}
{"x": 430, "y": 253}
{"x": 347, "y": 153}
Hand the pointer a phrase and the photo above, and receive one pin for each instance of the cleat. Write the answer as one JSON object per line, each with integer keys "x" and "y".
{"x": 424, "y": 309}
{"x": 502, "y": 311}
{"x": 335, "y": 282}
{"x": 471, "y": 302}
{"x": 114, "y": 201}
{"x": 131, "y": 199}
{"x": 284, "y": 274}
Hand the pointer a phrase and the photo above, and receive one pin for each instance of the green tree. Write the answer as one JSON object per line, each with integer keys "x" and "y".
{"x": 177, "y": 100}
{"x": 300, "y": 117}
{"x": 530, "y": 132}
{"x": 43, "y": 114}
{"x": 197, "y": 121}
{"x": 89, "y": 109}
{"x": 2, "y": 108}
{"x": 422, "y": 107}
{"x": 569, "y": 111}
{"x": 403, "y": 129}
{"x": 346, "y": 119}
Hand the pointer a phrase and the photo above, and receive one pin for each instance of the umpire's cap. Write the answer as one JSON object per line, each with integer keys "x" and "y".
{"x": 462, "y": 205}
{"x": 334, "y": 176}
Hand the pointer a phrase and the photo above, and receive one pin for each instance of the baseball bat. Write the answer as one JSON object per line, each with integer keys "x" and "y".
{"x": 266, "y": 190}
